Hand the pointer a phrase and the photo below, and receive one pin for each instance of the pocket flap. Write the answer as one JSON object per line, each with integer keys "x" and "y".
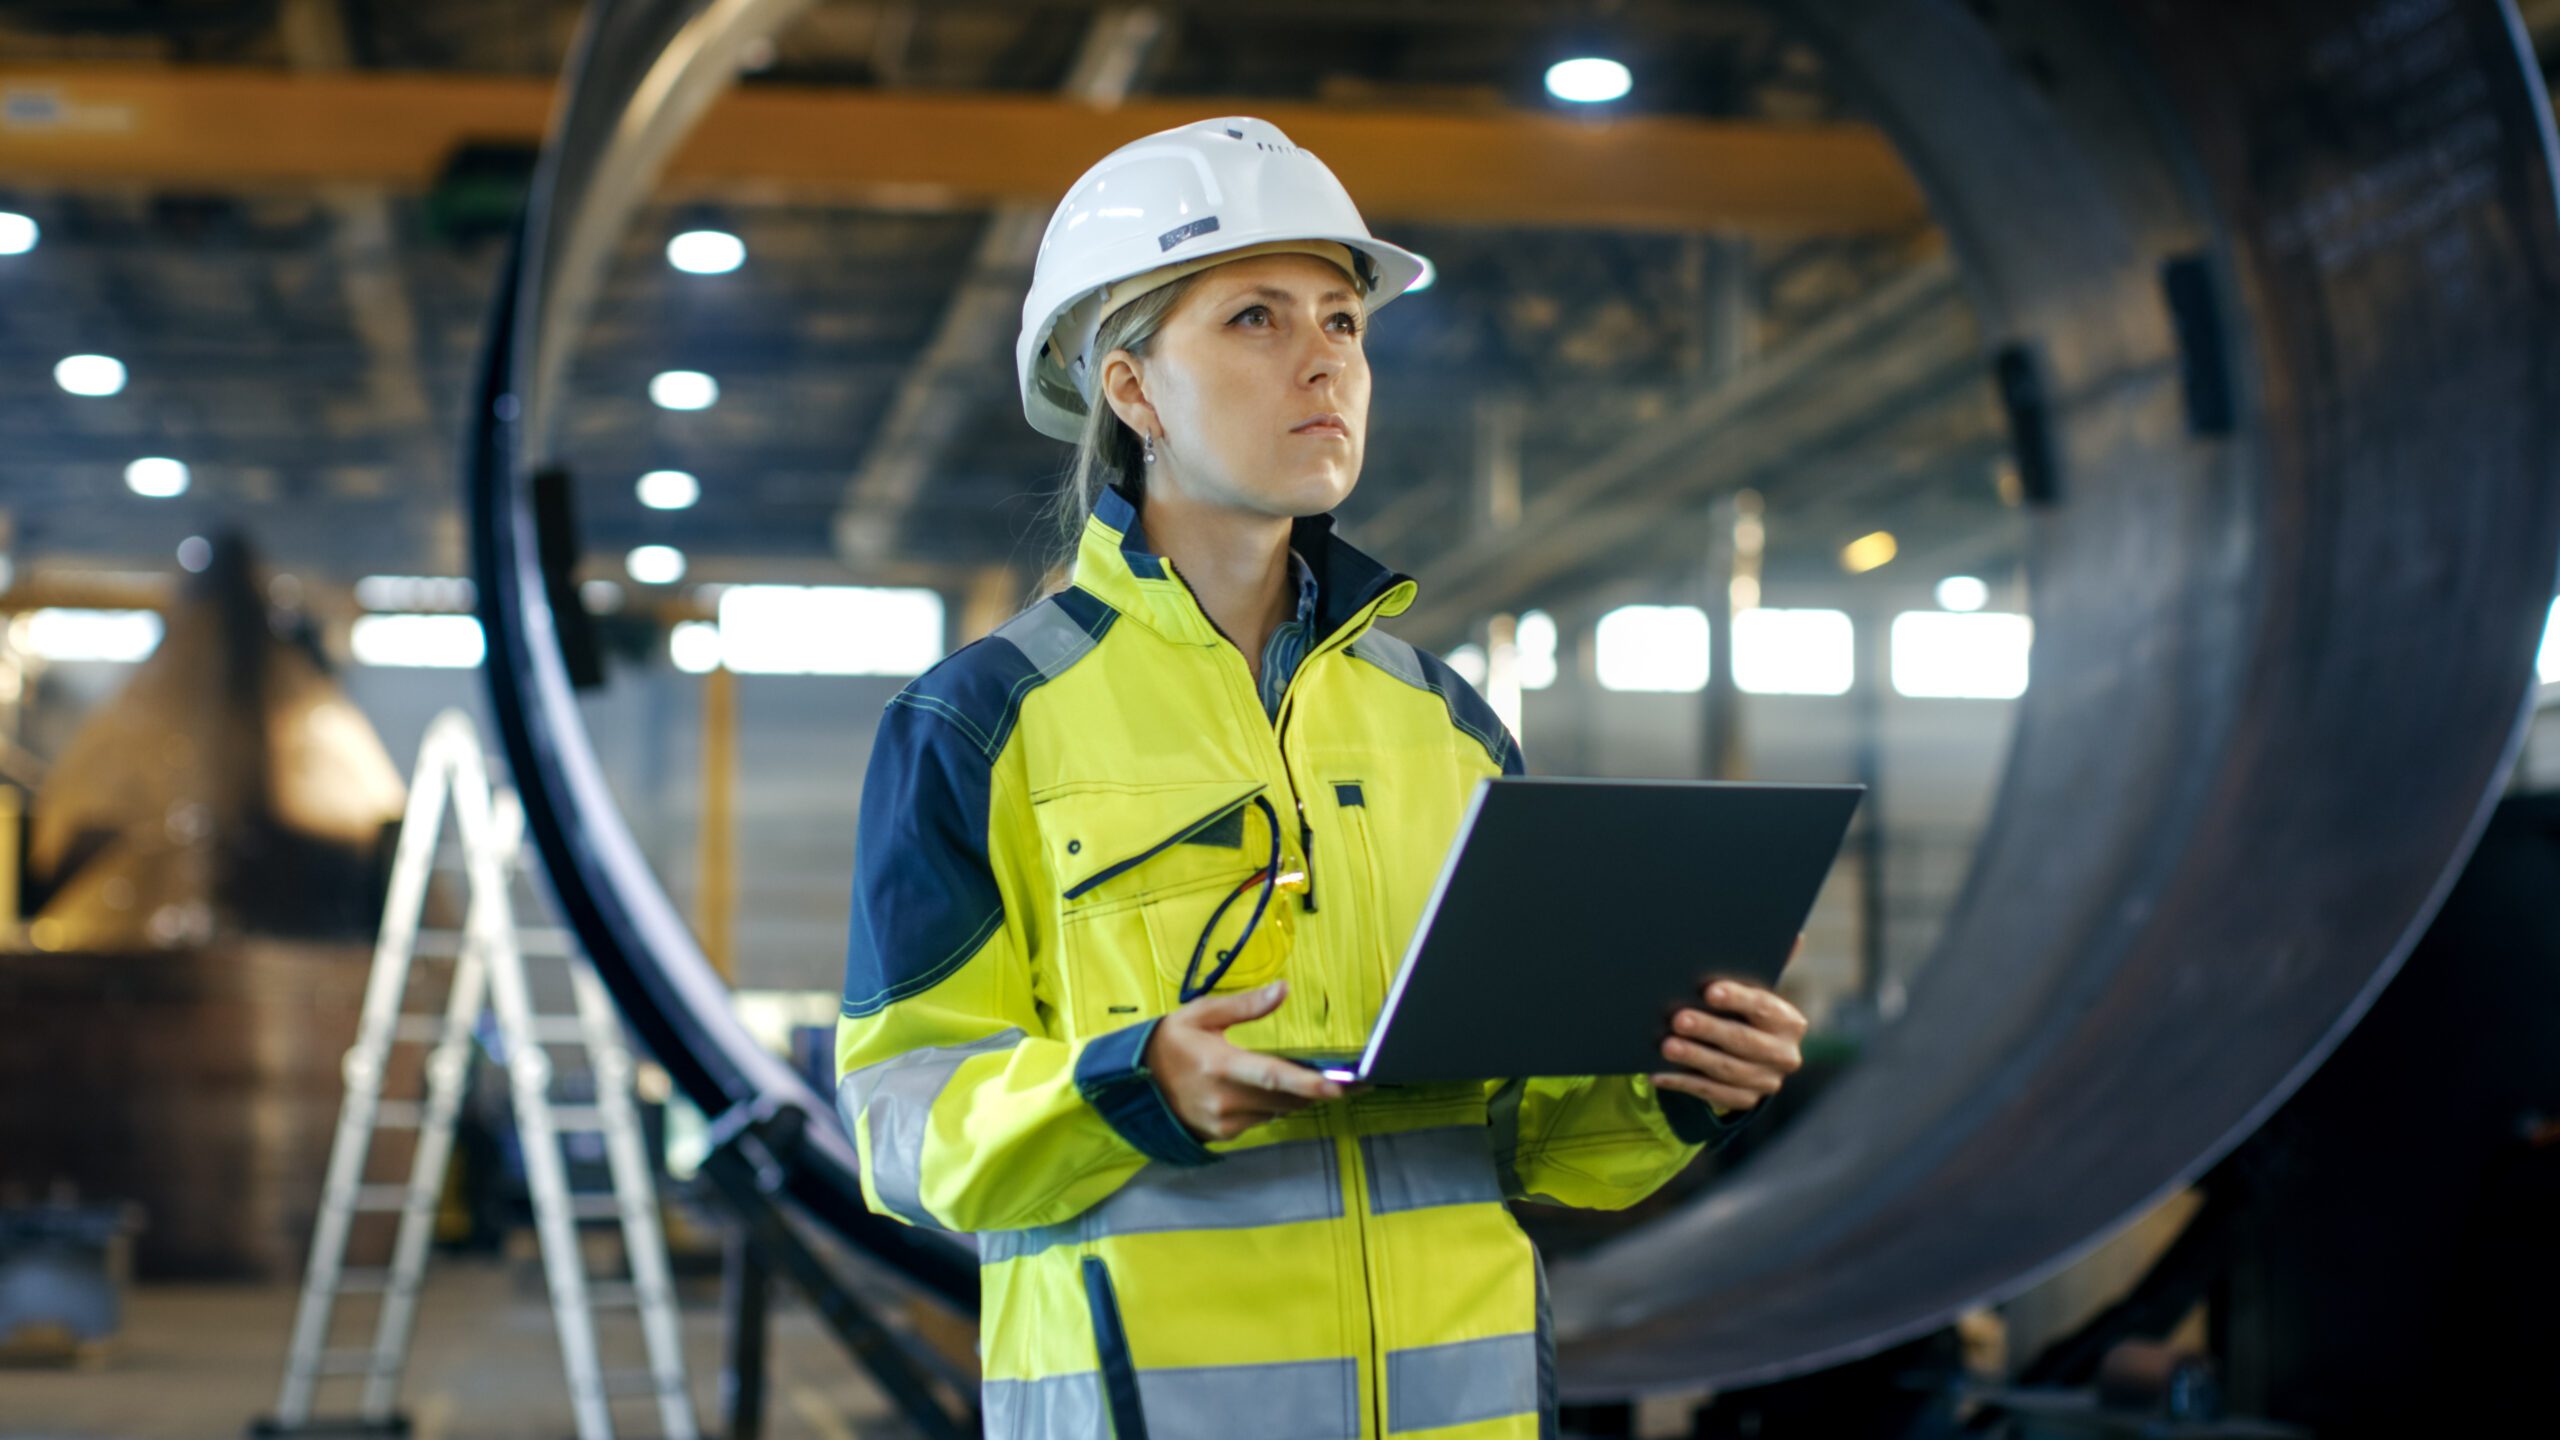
{"x": 1098, "y": 833}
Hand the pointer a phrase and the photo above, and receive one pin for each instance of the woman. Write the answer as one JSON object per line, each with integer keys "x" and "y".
{"x": 1184, "y": 812}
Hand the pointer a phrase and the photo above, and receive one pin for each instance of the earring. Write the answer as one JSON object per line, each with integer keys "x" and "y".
{"x": 1151, "y": 449}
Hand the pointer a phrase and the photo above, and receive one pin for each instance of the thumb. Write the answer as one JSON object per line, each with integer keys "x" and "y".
{"x": 1217, "y": 1012}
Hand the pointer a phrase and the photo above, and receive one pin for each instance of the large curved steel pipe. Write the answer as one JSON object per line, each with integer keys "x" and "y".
{"x": 2268, "y": 288}
{"x": 638, "y": 67}
{"x": 2274, "y": 285}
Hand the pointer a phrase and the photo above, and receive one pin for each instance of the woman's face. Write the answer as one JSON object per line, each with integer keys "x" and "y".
{"x": 1251, "y": 352}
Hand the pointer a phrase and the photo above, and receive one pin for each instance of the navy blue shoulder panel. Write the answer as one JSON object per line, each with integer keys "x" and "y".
{"x": 1468, "y": 711}
{"x": 1471, "y": 712}
{"x": 924, "y": 895}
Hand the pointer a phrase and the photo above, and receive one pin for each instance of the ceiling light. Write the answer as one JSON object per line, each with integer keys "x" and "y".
{"x": 194, "y": 553}
{"x": 1962, "y": 592}
{"x": 683, "y": 390}
{"x": 1867, "y": 552}
{"x": 157, "y": 477}
{"x": 89, "y": 374}
{"x": 706, "y": 252}
{"x": 669, "y": 490}
{"x": 1588, "y": 80}
{"x": 17, "y": 233}
{"x": 655, "y": 564}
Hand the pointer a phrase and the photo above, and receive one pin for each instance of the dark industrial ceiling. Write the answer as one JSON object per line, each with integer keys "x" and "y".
{"x": 305, "y": 349}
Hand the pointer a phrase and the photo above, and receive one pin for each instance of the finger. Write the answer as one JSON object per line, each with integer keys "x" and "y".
{"x": 1239, "y": 1121}
{"x": 1726, "y": 1097}
{"x": 1272, "y": 1075}
{"x": 1764, "y": 1008}
{"x": 1256, "y": 1106}
{"x": 1716, "y": 1064}
{"x": 1217, "y": 1012}
{"x": 1735, "y": 1036}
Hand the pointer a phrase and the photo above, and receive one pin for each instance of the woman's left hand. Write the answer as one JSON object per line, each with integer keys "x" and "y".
{"x": 1735, "y": 1062}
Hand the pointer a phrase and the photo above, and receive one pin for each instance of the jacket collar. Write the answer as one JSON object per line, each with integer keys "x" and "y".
{"x": 1113, "y": 562}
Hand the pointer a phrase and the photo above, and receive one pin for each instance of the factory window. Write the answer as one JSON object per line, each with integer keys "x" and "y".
{"x": 115, "y": 635}
{"x": 1794, "y": 652}
{"x": 1964, "y": 657}
{"x": 442, "y": 642}
{"x": 1468, "y": 661}
{"x": 694, "y": 646}
{"x": 829, "y": 630}
{"x": 1652, "y": 647}
{"x": 414, "y": 592}
{"x": 1534, "y": 644}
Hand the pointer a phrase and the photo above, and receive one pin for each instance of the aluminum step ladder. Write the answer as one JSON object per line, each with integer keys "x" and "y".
{"x": 488, "y": 973}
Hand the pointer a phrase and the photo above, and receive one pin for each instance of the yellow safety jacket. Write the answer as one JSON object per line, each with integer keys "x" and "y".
{"x": 1051, "y": 818}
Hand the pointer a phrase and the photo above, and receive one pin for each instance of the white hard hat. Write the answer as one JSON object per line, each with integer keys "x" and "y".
{"x": 1189, "y": 194}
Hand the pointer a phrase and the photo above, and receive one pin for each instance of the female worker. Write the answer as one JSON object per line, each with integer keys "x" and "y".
{"x": 1185, "y": 811}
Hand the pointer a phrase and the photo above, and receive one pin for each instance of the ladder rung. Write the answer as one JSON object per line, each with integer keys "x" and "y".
{"x": 351, "y": 1362}
{"x": 445, "y": 944}
{"x": 398, "y": 1115}
{"x": 363, "y": 1282}
{"x": 429, "y": 1028}
{"x": 577, "y": 1119}
{"x": 612, "y": 1295}
{"x": 633, "y": 1382}
{"x": 595, "y": 1207}
{"x": 382, "y": 1197}
{"x": 558, "y": 1029}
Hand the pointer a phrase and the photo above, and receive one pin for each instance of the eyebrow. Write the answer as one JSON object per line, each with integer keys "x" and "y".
{"x": 1273, "y": 292}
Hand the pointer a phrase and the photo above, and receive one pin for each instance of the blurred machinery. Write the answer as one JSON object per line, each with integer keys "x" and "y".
{"x": 205, "y": 860}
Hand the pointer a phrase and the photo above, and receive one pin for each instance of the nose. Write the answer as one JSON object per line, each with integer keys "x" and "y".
{"x": 1325, "y": 363}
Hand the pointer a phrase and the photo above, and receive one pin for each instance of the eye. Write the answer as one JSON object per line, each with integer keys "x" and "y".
{"x": 1353, "y": 327}
{"x": 1262, "y": 310}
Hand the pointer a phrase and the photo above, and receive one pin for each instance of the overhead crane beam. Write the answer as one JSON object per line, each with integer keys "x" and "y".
{"x": 220, "y": 128}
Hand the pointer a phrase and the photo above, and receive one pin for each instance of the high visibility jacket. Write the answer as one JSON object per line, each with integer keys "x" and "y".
{"x": 1051, "y": 817}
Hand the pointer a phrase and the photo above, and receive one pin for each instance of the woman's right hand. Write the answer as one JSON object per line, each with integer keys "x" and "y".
{"x": 1220, "y": 1090}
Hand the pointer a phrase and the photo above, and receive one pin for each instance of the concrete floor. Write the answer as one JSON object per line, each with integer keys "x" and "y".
{"x": 201, "y": 1362}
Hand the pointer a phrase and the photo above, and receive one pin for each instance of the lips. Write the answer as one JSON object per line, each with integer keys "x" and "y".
{"x": 1325, "y": 424}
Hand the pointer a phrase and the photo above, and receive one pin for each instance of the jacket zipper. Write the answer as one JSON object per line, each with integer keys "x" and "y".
{"x": 1359, "y": 622}
{"x": 1357, "y": 1202}
{"x": 1357, "y": 1207}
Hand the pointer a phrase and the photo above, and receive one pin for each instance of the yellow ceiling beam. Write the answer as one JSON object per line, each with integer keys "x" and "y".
{"x": 218, "y": 128}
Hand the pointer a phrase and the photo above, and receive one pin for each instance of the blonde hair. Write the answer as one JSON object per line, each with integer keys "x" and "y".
{"x": 1108, "y": 452}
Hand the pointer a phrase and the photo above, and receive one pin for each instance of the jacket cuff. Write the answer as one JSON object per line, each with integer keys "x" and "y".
{"x": 1112, "y": 1076}
{"x": 1697, "y": 1121}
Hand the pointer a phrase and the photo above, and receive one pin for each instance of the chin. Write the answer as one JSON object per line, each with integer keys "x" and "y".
{"x": 1311, "y": 492}
{"x": 1320, "y": 492}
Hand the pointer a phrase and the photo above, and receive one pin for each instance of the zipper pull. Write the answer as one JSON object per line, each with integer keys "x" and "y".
{"x": 1307, "y": 849}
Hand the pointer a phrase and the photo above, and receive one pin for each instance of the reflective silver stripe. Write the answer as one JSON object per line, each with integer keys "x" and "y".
{"x": 1054, "y": 1407}
{"x": 1266, "y": 1185}
{"x": 1434, "y": 1385}
{"x": 1416, "y": 1169}
{"x": 898, "y": 1095}
{"x": 1392, "y": 655}
{"x": 1048, "y": 637}
{"x": 1293, "y": 1400}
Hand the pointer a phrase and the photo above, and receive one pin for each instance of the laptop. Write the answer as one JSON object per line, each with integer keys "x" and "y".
{"x": 1573, "y": 916}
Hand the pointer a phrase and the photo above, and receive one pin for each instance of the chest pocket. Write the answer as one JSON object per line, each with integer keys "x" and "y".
{"x": 1141, "y": 871}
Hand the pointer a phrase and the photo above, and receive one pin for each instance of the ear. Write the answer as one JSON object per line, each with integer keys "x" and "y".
{"x": 1124, "y": 388}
